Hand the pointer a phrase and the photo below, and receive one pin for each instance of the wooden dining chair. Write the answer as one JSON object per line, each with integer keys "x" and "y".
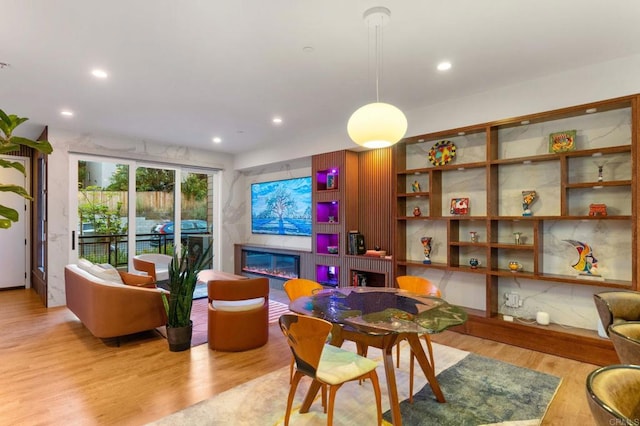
{"x": 325, "y": 364}
{"x": 300, "y": 287}
{"x": 295, "y": 288}
{"x": 418, "y": 285}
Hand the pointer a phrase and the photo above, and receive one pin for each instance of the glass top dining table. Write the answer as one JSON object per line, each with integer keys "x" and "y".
{"x": 381, "y": 317}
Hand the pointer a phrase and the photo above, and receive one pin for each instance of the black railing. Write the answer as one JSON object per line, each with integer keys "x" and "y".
{"x": 114, "y": 249}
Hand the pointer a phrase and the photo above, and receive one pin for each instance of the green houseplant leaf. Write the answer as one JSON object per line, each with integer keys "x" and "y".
{"x": 183, "y": 277}
{"x": 10, "y": 214}
{"x": 12, "y": 164}
{"x": 10, "y": 143}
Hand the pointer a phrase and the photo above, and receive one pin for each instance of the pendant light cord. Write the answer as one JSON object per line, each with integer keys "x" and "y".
{"x": 378, "y": 49}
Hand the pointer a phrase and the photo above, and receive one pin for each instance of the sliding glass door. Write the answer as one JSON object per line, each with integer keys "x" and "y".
{"x": 155, "y": 209}
{"x": 101, "y": 222}
{"x": 196, "y": 210}
{"x": 125, "y": 208}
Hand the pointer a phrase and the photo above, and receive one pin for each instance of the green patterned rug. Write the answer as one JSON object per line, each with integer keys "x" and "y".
{"x": 479, "y": 391}
{"x": 482, "y": 391}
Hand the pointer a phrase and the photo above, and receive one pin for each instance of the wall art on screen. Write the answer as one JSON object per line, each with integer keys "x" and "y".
{"x": 281, "y": 207}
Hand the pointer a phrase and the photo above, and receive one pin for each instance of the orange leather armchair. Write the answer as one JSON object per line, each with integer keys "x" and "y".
{"x": 238, "y": 314}
{"x": 154, "y": 264}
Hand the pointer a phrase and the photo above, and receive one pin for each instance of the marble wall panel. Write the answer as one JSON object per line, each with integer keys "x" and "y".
{"x": 569, "y": 305}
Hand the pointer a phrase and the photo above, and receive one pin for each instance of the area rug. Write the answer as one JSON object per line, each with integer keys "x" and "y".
{"x": 199, "y": 316}
{"x": 200, "y": 291}
{"x": 479, "y": 391}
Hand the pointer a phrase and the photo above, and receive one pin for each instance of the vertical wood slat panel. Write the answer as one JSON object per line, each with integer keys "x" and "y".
{"x": 364, "y": 192}
{"x": 375, "y": 198}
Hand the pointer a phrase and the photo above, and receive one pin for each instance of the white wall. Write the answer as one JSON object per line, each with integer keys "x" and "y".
{"x": 573, "y": 87}
{"x": 60, "y": 196}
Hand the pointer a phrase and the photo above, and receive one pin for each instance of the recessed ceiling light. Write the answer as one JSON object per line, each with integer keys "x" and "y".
{"x": 308, "y": 49}
{"x": 66, "y": 113}
{"x": 277, "y": 120}
{"x": 217, "y": 139}
{"x": 591, "y": 110}
{"x": 444, "y": 66}
{"x": 525, "y": 122}
{"x": 99, "y": 73}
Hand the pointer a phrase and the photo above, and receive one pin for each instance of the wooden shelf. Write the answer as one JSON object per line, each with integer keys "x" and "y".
{"x": 516, "y": 158}
{"x": 413, "y": 194}
{"x": 598, "y": 184}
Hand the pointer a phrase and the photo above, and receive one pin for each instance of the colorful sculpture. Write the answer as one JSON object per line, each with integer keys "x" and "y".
{"x": 586, "y": 262}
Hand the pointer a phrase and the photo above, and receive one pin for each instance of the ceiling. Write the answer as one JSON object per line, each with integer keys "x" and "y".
{"x": 182, "y": 72}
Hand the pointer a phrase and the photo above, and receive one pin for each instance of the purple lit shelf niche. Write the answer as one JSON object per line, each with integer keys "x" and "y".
{"x": 328, "y": 275}
{"x": 327, "y": 243}
{"x": 327, "y": 179}
{"x": 328, "y": 212}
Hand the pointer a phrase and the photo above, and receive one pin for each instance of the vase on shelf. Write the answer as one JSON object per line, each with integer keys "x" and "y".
{"x": 515, "y": 266}
{"x": 528, "y": 197}
{"x": 426, "y": 244}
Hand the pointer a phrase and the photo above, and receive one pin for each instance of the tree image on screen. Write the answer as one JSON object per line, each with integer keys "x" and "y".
{"x": 281, "y": 207}
{"x": 279, "y": 204}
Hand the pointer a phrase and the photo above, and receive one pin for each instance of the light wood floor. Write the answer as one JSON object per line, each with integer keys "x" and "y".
{"x": 54, "y": 372}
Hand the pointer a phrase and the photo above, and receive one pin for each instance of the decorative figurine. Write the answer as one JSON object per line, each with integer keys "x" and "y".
{"x": 515, "y": 266}
{"x": 597, "y": 209}
{"x": 600, "y": 178}
{"x": 517, "y": 235}
{"x": 415, "y": 186}
{"x": 586, "y": 262}
{"x": 459, "y": 206}
{"x": 474, "y": 236}
{"x": 426, "y": 243}
{"x": 528, "y": 197}
{"x": 416, "y": 211}
{"x": 332, "y": 219}
{"x": 600, "y": 165}
{"x": 474, "y": 263}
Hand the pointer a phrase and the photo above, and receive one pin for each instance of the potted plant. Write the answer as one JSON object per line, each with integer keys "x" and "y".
{"x": 183, "y": 276}
{"x": 10, "y": 143}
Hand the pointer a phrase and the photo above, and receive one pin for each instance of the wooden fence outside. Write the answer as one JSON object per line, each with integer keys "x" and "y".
{"x": 148, "y": 204}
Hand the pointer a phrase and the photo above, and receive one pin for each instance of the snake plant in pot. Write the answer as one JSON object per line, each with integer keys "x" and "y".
{"x": 10, "y": 143}
{"x": 183, "y": 277}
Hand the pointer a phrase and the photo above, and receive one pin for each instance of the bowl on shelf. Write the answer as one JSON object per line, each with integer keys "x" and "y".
{"x": 332, "y": 249}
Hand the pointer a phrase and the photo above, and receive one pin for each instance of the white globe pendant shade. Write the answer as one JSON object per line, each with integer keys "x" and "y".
{"x": 377, "y": 125}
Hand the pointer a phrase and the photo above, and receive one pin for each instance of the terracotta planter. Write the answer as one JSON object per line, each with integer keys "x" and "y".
{"x": 179, "y": 338}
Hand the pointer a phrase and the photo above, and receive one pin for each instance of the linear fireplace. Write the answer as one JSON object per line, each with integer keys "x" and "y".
{"x": 274, "y": 265}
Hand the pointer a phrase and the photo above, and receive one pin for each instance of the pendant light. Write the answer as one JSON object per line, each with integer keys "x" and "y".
{"x": 378, "y": 124}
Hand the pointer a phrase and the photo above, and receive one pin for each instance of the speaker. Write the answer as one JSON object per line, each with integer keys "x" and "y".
{"x": 196, "y": 245}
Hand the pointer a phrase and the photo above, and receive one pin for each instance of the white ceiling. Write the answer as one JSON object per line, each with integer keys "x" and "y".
{"x": 181, "y": 72}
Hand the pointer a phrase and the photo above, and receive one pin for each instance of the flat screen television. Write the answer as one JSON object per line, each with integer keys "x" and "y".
{"x": 281, "y": 207}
